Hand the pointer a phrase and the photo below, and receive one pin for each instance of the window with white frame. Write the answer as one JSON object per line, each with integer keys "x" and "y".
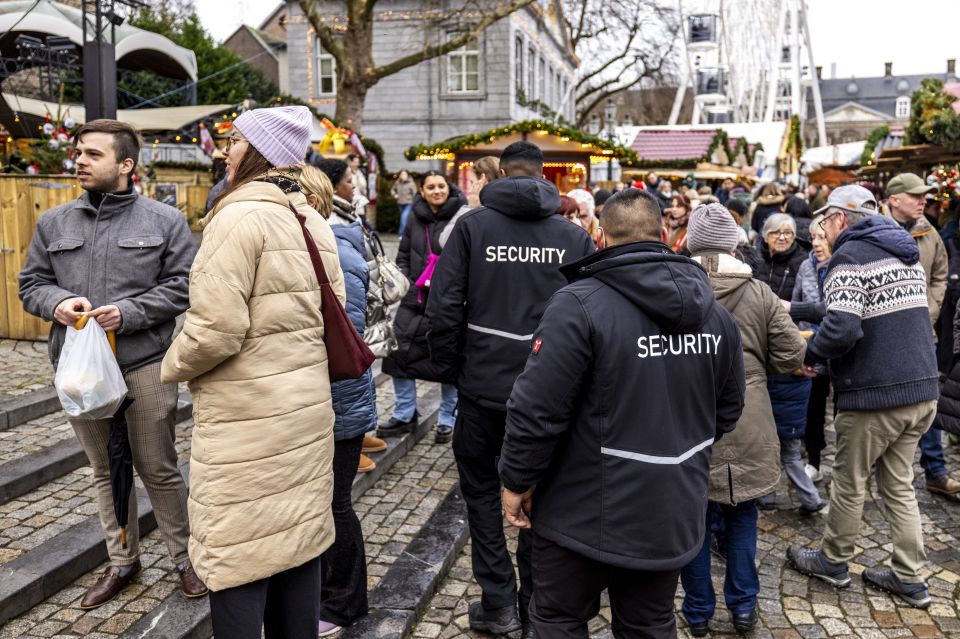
{"x": 594, "y": 126}
{"x": 542, "y": 90}
{"x": 903, "y": 107}
{"x": 518, "y": 62}
{"x": 326, "y": 84}
{"x": 531, "y": 74}
{"x": 463, "y": 69}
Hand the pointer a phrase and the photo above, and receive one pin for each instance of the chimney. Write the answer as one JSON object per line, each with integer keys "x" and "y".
{"x": 888, "y": 69}
{"x": 819, "y": 73}
{"x": 833, "y": 70}
{"x": 951, "y": 66}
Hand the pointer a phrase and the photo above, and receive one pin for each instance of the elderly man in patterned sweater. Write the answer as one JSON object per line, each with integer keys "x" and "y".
{"x": 876, "y": 336}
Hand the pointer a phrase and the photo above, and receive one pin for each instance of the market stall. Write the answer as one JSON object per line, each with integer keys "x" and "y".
{"x": 568, "y": 153}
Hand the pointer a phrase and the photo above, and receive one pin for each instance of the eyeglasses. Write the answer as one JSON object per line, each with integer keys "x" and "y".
{"x": 823, "y": 222}
{"x": 784, "y": 234}
{"x": 234, "y": 140}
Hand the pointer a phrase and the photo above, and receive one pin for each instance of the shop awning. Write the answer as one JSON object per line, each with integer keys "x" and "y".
{"x": 156, "y": 119}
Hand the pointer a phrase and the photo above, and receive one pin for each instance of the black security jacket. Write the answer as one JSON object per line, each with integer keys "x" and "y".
{"x": 496, "y": 273}
{"x": 635, "y": 370}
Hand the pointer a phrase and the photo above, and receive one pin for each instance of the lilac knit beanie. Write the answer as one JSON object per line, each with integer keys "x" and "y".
{"x": 280, "y": 134}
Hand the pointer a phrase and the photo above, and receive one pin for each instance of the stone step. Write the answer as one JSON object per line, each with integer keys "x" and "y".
{"x": 21, "y": 409}
{"x": 49, "y": 557}
{"x": 58, "y": 451}
{"x": 181, "y": 618}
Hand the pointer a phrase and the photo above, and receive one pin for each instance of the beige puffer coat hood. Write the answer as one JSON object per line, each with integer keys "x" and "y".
{"x": 746, "y": 462}
{"x": 252, "y": 349}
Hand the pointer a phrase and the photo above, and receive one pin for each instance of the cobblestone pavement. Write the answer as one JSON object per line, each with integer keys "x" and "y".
{"x": 791, "y": 605}
{"x": 24, "y": 367}
{"x": 391, "y": 513}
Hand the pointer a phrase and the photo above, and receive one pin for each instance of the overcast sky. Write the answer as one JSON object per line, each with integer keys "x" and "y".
{"x": 858, "y": 35}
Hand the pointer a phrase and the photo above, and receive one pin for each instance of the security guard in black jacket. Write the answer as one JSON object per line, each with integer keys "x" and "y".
{"x": 634, "y": 372}
{"x": 496, "y": 273}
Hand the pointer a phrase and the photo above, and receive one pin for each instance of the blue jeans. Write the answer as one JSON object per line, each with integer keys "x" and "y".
{"x": 931, "y": 454}
{"x": 741, "y": 584}
{"x": 404, "y": 216}
{"x": 405, "y": 390}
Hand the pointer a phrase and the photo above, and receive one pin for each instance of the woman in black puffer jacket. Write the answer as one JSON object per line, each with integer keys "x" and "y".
{"x": 778, "y": 266}
{"x": 433, "y": 207}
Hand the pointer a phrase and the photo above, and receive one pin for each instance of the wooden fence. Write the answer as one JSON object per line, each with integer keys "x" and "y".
{"x": 23, "y": 198}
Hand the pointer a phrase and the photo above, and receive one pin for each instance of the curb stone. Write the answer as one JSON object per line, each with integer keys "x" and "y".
{"x": 402, "y": 596}
{"x": 22, "y": 408}
{"x": 20, "y": 476}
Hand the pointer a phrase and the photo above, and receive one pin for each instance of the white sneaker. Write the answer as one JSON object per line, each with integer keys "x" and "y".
{"x": 813, "y": 473}
{"x": 327, "y": 629}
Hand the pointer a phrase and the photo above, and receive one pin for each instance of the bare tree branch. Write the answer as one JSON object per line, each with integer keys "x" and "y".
{"x": 331, "y": 44}
{"x": 500, "y": 11}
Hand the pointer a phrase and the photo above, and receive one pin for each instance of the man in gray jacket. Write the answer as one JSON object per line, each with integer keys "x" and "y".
{"x": 123, "y": 260}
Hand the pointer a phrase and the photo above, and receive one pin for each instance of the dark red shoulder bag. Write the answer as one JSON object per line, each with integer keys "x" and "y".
{"x": 348, "y": 356}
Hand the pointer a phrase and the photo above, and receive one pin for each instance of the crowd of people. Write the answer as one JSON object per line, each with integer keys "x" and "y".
{"x": 626, "y": 376}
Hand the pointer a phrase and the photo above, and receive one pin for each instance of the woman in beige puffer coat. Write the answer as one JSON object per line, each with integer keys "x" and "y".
{"x": 252, "y": 348}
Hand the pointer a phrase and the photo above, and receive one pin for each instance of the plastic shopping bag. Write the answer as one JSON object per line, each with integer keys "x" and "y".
{"x": 88, "y": 381}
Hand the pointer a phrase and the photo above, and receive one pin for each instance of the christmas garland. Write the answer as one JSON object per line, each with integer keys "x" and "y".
{"x": 627, "y": 156}
{"x": 878, "y": 134}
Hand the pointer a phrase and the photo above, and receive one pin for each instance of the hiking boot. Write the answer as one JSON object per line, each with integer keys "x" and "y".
{"x": 366, "y": 464}
{"x": 373, "y": 444}
{"x": 396, "y": 427}
{"x": 444, "y": 434}
{"x": 497, "y": 622}
{"x": 698, "y": 628}
{"x": 743, "y": 622}
{"x": 883, "y": 578}
{"x": 811, "y": 562}
{"x": 943, "y": 485}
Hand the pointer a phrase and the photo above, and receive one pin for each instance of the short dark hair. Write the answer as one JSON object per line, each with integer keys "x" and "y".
{"x": 738, "y": 206}
{"x": 631, "y": 216}
{"x": 334, "y": 169}
{"x": 600, "y": 196}
{"x": 126, "y": 139}
{"x": 796, "y": 207}
{"x": 522, "y": 158}
{"x": 351, "y": 157}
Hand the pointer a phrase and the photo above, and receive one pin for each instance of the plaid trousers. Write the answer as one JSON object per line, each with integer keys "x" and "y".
{"x": 151, "y": 423}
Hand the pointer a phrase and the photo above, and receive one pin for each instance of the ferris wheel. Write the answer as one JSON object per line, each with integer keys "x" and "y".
{"x": 747, "y": 61}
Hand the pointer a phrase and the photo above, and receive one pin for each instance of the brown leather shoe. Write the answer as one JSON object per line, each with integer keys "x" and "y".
{"x": 944, "y": 485}
{"x": 108, "y": 586}
{"x": 366, "y": 464}
{"x": 373, "y": 444}
{"x": 190, "y": 584}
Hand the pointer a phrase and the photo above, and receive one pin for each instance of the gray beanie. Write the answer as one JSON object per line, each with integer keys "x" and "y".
{"x": 712, "y": 228}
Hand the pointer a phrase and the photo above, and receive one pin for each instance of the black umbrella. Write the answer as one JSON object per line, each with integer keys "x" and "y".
{"x": 121, "y": 468}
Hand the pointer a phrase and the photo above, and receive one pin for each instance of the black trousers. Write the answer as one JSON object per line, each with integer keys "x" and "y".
{"x": 343, "y": 567}
{"x": 814, "y": 439}
{"x": 477, "y": 441}
{"x": 567, "y": 588}
{"x": 284, "y": 606}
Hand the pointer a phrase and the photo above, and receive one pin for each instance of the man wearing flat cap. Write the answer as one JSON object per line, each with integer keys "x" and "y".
{"x": 906, "y": 199}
